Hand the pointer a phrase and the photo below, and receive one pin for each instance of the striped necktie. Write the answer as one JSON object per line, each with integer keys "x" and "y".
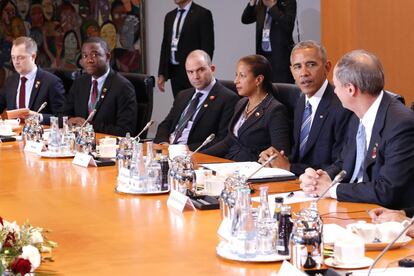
{"x": 305, "y": 129}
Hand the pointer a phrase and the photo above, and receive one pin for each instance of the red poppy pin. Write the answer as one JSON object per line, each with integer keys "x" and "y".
{"x": 37, "y": 84}
{"x": 212, "y": 98}
{"x": 374, "y": 151}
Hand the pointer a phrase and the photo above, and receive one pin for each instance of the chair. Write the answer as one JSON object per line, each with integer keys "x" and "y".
{"x": 144, "y": 89}
{"x": 143, "y": 85}
{"x": 286, "y": 93}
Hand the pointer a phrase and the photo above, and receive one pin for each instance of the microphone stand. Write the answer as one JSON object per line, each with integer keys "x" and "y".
{"x": 208, "y": 140}
{"x": 263, "y": 165}
{"x": 89, "y": 118}
{"x": 389, "y": 246}
{"x": 338, "y": 178}
{"x": 42, "y": 107}
{"x": 144, "y": 129}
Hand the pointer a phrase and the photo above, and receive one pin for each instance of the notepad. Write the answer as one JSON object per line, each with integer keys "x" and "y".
{"x": 247, "y": 168}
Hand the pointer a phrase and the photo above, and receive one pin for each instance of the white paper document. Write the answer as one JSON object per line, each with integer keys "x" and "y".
{"x": 246, "y": 169}
{"x": 289, "y": 198}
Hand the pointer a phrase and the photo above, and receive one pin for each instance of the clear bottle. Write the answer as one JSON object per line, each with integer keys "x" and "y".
{"x": 243, "y": 228}
{"x": 153, "y": 169}
{"x": 285, "y": 229}
{"x": 164, "y": 172}
{"x": 68, "y": 137}
{"x": 54, "y": 141}
{"x": 138, "y": 168}
{"x": 278, "y": 208}
{"x": 265, "y": 225}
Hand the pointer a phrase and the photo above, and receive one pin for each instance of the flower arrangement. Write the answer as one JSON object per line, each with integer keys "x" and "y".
{"x": 20, "y": 248}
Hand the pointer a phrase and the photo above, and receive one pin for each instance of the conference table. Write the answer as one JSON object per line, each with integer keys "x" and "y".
{"x": 102, "y": 232}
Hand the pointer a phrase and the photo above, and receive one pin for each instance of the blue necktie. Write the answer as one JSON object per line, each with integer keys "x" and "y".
{"x": 361, "y": 151}
{"x": 305, "y": 129}
{"x": 192, "y": 108}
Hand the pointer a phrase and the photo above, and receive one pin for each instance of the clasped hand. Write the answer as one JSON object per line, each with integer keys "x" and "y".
{"x": 315, "y": 182}
{"x": 281, "y": 161}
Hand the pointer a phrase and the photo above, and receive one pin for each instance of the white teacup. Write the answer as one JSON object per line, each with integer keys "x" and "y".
{"x": 177, "y": 150}
{"x": 349, "y": 251}
{"x": 388, "y": 231}
{"x": 214, "y": 185}
{"x": 5, "y": 129}
{"x": 202, "y": 176}
{"x": 107, "y": 151}
{"x": 366, "y": 231}
{"x": 12, "y": 122}
{"x": 107, "y": 141}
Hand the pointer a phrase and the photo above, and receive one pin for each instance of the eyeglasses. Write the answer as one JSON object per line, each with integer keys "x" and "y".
{"x": 19, "y": 58}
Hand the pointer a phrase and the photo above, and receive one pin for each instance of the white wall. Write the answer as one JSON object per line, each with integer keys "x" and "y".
{"x": 232, "y": 39}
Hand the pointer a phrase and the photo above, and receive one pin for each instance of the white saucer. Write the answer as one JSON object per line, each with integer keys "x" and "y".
{"x": 224, "y": 251}
{"x": 8, "y": 133}
{"x": 364, "y": 262}
{"x": 125, "y": 189}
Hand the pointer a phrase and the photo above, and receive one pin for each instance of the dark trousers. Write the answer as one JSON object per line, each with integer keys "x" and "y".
{"x": 179, "y": 79}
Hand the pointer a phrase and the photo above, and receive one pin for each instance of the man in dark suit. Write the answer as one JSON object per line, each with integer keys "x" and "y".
{"x": 31, "y": 86}
{"x": 187, "y": 28}
{"x": 322, "y": 145}
{"x": 103, "y": 89}
{"x": 200, "y": 111}
{"x": 275, "y": 20}
{"x": 378, "y": 153}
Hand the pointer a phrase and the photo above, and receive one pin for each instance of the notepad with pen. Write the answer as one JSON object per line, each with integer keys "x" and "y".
{"x": 247, "y": 168}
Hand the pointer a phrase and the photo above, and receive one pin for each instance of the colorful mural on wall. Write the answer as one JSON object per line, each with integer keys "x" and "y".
{"x": 59, "y": 27}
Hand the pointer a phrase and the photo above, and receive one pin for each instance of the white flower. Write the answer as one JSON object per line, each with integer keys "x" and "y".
{"x": 32, "y": 254}
{"x": 12, "y": 226}
{"x": 36, "y": 237}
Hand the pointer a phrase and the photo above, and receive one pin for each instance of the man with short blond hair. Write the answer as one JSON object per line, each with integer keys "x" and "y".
{"x": 31, "y": 86}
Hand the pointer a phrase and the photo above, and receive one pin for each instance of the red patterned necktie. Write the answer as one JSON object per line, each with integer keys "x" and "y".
{"x": 94, "y": 95}
{"x": 22, "y": 93}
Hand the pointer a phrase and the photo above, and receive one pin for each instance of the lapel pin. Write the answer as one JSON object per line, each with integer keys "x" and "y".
{"x": 205, "y": 105}
{"x": 321, "y": 116}
{"x": 374, "y": 151}
{"x": 37, "y": 84}
{"x": 257, "y": 114}
{"x": 212, "y": 98}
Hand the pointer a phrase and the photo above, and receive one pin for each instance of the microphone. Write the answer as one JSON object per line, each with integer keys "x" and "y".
{"x": 262, "y": 166}
{"x": 338, "y": 178}
{"x": 144, "y": 129}
{"x": 208, "y": 140}
{"x": 411, "y": 222}
{"x": 89, "y": 117}
{"x": 42, "y": 107}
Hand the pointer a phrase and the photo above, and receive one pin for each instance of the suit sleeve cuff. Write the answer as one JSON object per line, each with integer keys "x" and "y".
{"x": 332, "y": 191}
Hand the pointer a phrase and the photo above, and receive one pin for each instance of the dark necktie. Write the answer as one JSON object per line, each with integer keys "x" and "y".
{"x": 177, "y": 28}
{"x": 305, "y": 129}
{"x": 22, "y": 93}
{"x": 192, "y": 108}
{"x": 361, "y": 152}
{"x": 94, "y": 95}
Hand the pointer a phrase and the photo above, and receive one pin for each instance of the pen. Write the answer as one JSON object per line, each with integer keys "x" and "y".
{"x": 291, "y": 194}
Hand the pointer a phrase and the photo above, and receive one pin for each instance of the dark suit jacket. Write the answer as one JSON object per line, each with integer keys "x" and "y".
{"x": 267, "y": 126}
{"x": 389, "y": 164}
{"x": 197, "y": 33}
{"x": 326, "y": 136}
{"x": 46, "y": 88}
{"x": 283, "y": 21}
{"x": 116, "y": 111}
{"x": 213, "y": 117}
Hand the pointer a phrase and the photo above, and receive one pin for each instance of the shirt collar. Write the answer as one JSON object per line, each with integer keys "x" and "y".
{"x": 102, "y": 78}
{"x": 369, "y": 117}
{"x": 316, "y": 98}
{"x": 31, "y": 75}
{"x": 208, "y": 88}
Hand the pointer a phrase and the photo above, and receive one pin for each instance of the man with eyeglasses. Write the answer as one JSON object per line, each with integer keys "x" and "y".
{"x": 104, "y": 90}
{"x": 31, "y": 86}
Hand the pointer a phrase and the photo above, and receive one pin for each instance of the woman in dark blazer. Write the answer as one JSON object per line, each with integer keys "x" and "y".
{"x": 259, "y": 120}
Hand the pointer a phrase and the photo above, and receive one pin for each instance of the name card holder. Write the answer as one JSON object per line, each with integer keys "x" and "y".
{"x": 83, "y": 160}
{"x": 178, "y": 201}
{"x": 34, "y": 147}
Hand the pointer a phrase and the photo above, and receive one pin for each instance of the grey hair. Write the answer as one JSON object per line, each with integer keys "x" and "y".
{"x": 310, "y": 44}
{"x": 362, "y": 69}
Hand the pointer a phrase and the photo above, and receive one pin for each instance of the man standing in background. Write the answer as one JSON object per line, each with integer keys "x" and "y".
{"x": 186, "y": 28}
{"x": 275, "y": 20}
